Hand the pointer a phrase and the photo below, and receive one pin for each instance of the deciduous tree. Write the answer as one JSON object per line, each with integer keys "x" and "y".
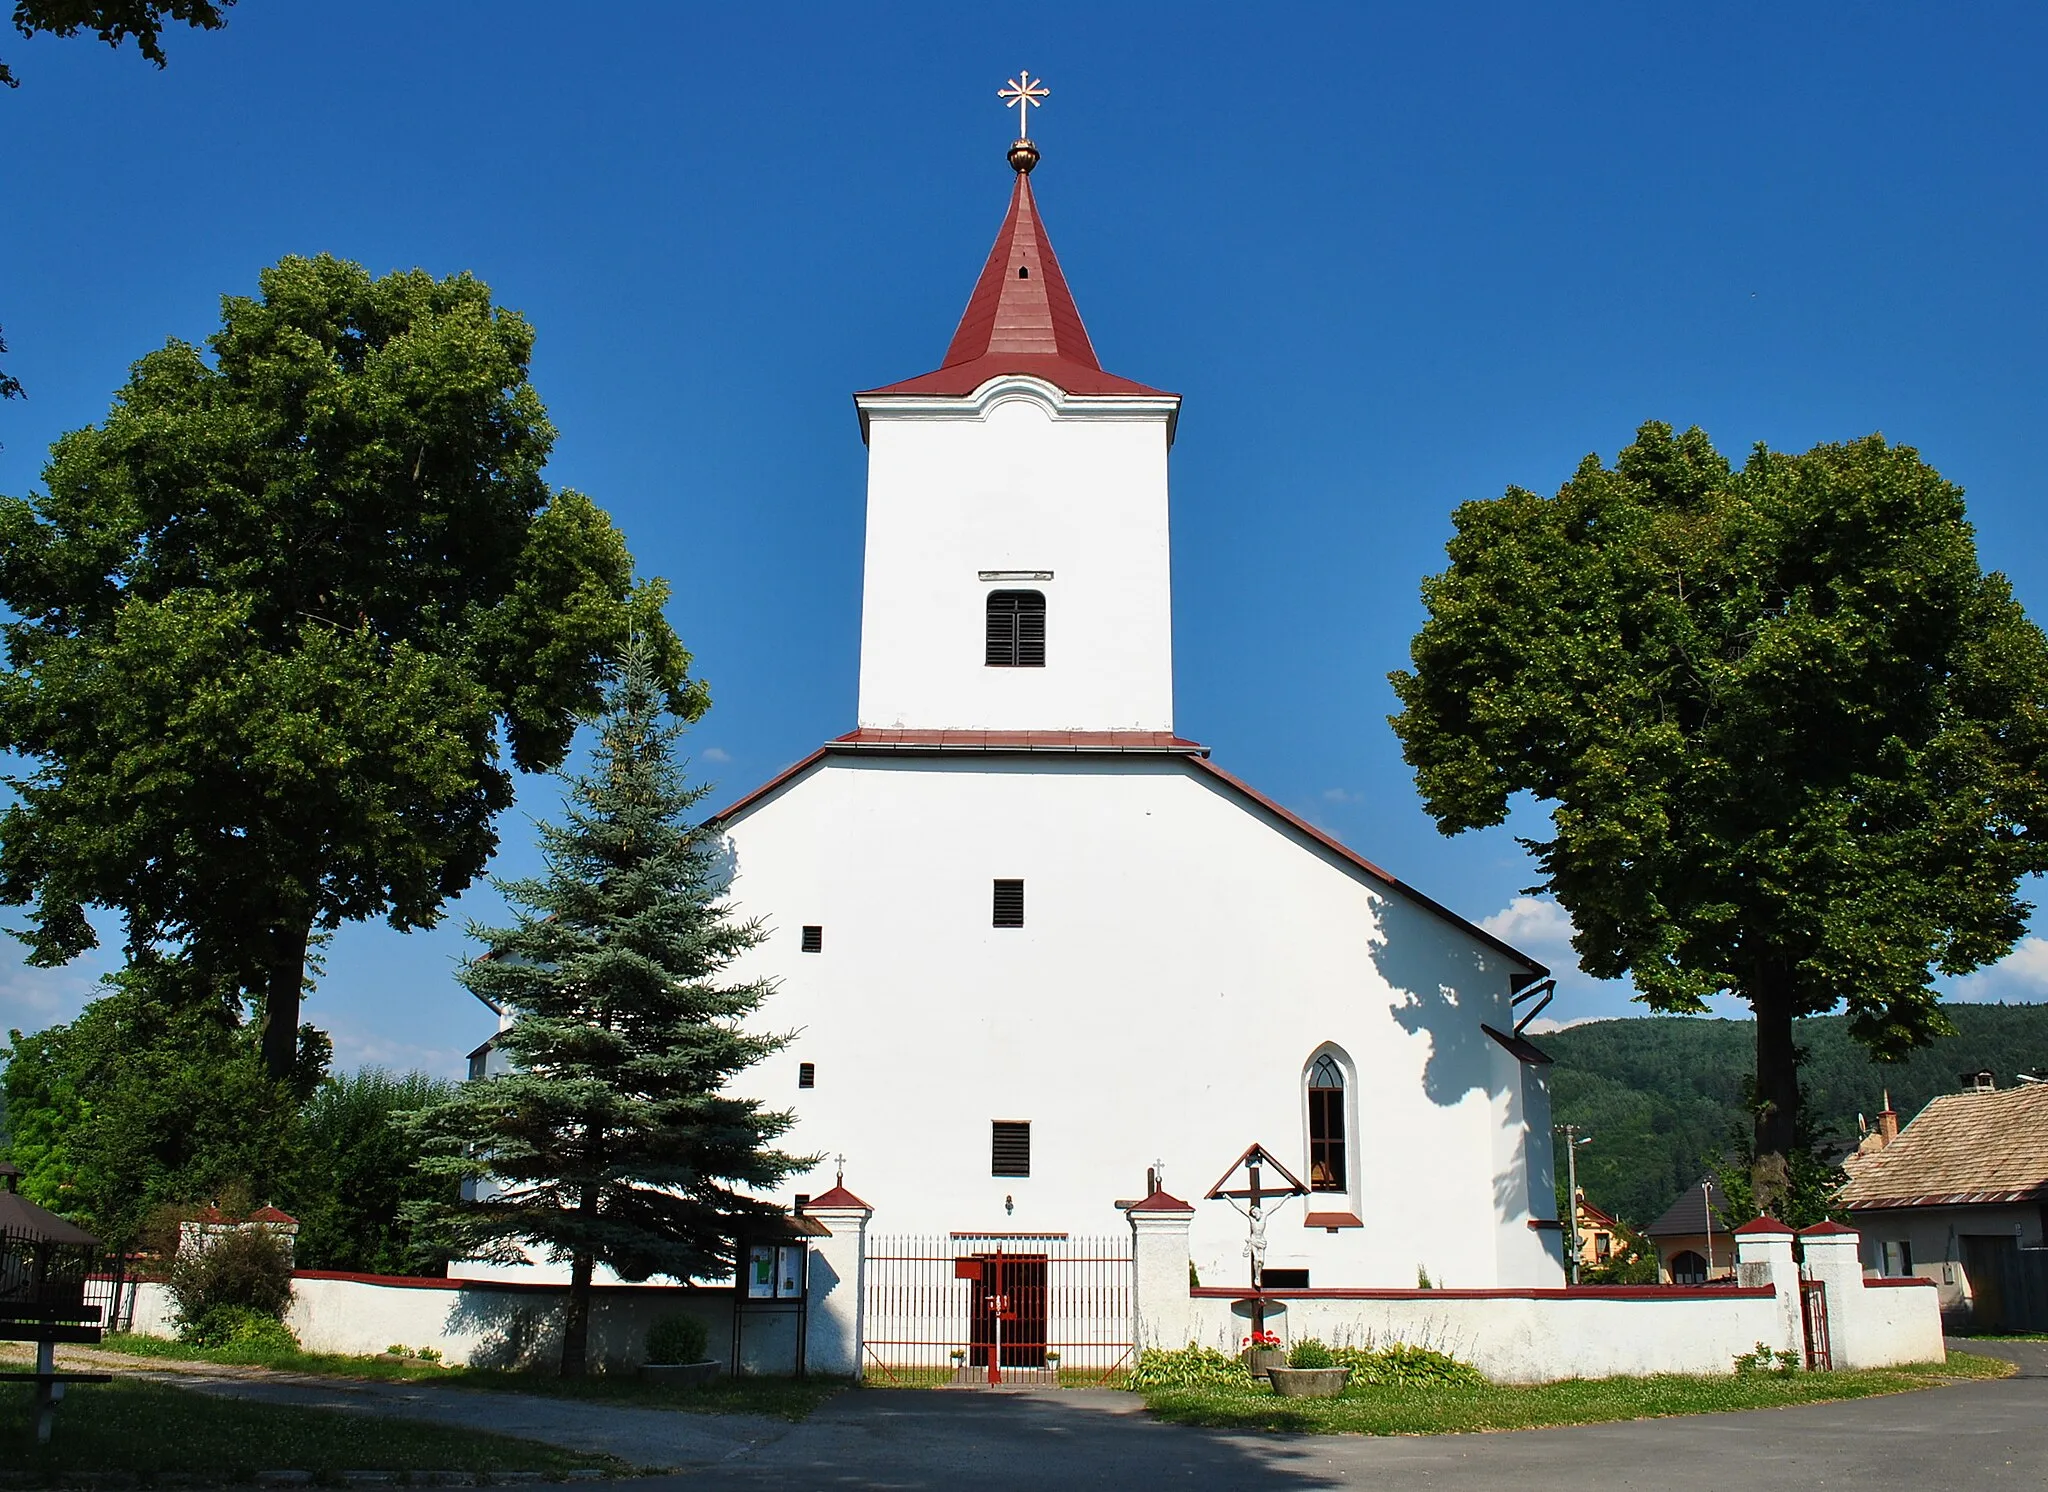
{"x": 114, "y": 21}
{"x": 279, "y": 618}
{"x": 613, "y": 1139}
{"x": 1793, "y": 737}
{"x": 154, "y": 1096}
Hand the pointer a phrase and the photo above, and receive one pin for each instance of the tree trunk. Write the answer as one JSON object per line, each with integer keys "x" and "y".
{"x": 284, "y": 976}
{"x": 576, "y": 1325}
{"x": 1777, "y": 1099}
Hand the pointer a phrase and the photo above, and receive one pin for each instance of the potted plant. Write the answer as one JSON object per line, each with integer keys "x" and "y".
{"x": 1311, "y": 1373}
{"x": 676, "y": 1352}
{"x": 1261, "y": 1353}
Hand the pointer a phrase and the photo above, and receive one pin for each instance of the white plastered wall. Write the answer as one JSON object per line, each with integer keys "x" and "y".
{"x": 1182, "y": 956}
{"x": 1935, "y": 1234}
{"x": 1021, "y": 480}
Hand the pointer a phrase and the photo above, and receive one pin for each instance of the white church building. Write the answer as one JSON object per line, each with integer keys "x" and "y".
{"x": 1034, "y": 943}
{"x": 1055, "y": 977}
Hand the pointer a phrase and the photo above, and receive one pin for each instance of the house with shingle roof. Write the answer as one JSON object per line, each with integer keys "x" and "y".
{"x": 1693, "y": 1239}
{"x": 1961, "y": 1197}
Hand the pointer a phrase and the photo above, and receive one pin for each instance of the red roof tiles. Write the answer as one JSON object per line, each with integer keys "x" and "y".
{"x": 1024, "y": 740}
{"x": 1161, "y": 1201}
{"x": 1020, "y": 319}
{"x": 839, "y": 1196}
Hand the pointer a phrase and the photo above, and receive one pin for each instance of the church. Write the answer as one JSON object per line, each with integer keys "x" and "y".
{"x": 1036, "y": 945}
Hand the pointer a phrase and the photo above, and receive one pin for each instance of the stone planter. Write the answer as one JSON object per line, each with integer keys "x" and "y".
{"x": 1259, "y": 1361}
{"x": 1308, "y": 1383}
{"x": 680, "y": 1374}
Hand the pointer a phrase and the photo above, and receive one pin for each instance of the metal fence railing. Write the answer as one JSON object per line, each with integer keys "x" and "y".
{"x": 1040, "y": 1308}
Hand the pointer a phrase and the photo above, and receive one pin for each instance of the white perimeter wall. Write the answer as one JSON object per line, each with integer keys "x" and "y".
{"x": 1183, "y": 958}
{"x": 1531, "y": 1340}
{"x": 1543, "y": 1335}
{"x": 1017, "y": 489}
{"x": 469, "y": 1324}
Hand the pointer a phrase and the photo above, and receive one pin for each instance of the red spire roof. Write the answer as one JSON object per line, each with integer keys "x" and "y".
{"x": 1021, "y": 317}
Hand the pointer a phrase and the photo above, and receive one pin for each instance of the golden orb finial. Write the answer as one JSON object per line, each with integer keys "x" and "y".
{"x": 1022, "y": 93}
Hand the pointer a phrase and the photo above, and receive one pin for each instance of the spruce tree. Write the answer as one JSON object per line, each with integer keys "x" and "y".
{"x": 613, "y": 1139}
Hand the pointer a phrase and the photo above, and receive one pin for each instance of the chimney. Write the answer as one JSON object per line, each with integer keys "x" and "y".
{"x": 1980, "y": 1081}
{"x": 1887, "y": 1121}
{"x": 10, "y": 1174}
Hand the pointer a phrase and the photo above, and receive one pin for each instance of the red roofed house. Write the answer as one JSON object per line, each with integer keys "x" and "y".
{"x": 1031, "y": 940}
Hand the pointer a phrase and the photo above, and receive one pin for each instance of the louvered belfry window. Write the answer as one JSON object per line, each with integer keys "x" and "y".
{"x": 807, "y": 1074}
{"x": 1009, "y": 904}
{"x": 1010, "y": 1148}
{"x": 1326, "y": 1170}
{"x": 1016, "y": 629}
{"x": 814, "y": 938}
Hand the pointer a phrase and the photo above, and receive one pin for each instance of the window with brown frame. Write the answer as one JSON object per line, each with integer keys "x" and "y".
{"x": 1326, "y": 1158}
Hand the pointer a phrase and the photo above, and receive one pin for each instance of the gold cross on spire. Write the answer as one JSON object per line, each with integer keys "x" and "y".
{"x": 1020, "y": 93}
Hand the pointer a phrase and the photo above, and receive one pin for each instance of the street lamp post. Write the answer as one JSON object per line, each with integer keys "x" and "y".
{"x": 1572, "y": 1141}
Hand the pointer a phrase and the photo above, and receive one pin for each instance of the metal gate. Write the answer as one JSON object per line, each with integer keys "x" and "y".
{"x": 974, "y": 1308}
{"x": 1813, "y": 1312}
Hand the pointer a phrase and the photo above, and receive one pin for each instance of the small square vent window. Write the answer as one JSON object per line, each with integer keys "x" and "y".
{"x": 1010, "y": 1148}
{"x": 803, "y": 1200}
{"x": 1009, "y": 904}
{"x": 807, "y": 1074}
{"x": 814, "y": 938}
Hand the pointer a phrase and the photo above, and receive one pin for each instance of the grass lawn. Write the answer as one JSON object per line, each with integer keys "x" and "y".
{"x": 780, "y": 1398}
{"x": 133, "y": 1425}
{"x": 1434, "y": 1411}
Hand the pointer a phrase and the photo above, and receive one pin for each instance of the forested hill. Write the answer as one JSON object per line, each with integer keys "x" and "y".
{"x": 1660, "y": 1095}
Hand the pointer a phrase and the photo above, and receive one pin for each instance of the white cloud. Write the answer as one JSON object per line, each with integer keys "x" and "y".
{"x": 356, "y": 1046}
{"x": 1535, "y": 925}
{"x": 1543, "y": 930}
{"x": 31, "y": 999}
{"x": 1342, "y": 795}
{"x": 2020, "y": 977}
{"x": 716, "y": 755}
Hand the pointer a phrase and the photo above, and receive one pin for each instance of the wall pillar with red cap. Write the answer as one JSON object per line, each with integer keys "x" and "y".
{"x": 1163, "y": 1311}
{"x": 1764, "y": 1246}
{"x": 838, "y": 1286}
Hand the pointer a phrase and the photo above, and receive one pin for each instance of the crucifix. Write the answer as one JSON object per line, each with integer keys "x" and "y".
{"x": 1257, "y": 1191}
{"x": 1020, "y": 93}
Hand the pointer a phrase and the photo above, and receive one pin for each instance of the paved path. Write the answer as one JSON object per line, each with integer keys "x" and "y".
{"x": 642, "y": 1437}
{"x": 1979, "y": 1435}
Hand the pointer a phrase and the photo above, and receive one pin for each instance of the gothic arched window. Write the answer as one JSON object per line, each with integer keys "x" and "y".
{"x": 1327, "y": 1170}
{"x": 1016, "y": 629}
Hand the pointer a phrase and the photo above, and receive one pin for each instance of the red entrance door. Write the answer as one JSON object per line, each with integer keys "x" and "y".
{"x": 1018, "y": 1282}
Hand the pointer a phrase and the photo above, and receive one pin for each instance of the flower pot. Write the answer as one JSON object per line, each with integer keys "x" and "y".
{"x": 1259, "y": 1361}
{"x": 680, "y": 1374}
{"x": 1308, "y": 1383}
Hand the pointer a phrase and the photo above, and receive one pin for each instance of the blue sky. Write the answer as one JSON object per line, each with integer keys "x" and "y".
{"x": 1393, "y": 257}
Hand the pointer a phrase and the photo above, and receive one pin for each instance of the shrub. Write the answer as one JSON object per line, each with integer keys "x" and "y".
{"x": 1403, "y": 1366}
{"x": 676, "y": 1339}
{"x": 1188, "y": 1367}
{"x": 1310, "y": 1353}
{"x": 238, "y": 1327}
{"x": 247, "y": 1267}
{"x": 1766, "y": 1359}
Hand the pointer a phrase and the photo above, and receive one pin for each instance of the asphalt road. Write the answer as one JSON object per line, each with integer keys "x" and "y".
{"x": 1975, "y": 1435}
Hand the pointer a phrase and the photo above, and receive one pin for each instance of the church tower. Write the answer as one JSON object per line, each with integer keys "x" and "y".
{"x": 1017, "y": 575}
